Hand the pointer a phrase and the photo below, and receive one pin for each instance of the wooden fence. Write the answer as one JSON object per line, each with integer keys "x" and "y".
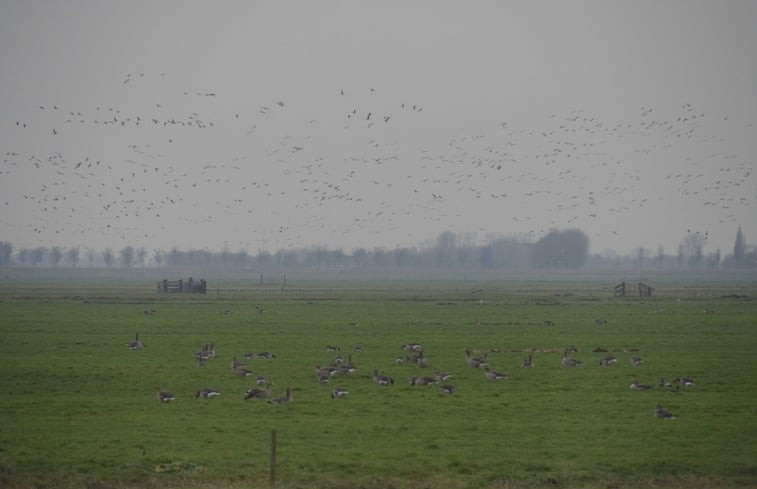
{"x": 189, "y": 285}
{"x": 644, "y": 290}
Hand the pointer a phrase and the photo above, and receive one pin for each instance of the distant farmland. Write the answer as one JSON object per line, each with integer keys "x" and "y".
{"x": 81, "y": 409}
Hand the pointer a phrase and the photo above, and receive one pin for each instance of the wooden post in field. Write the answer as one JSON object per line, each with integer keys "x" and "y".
{"x": 272, "y": 468}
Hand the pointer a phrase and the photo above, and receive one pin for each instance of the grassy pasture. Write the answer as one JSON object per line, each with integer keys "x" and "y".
{"x": 80, "y": 409}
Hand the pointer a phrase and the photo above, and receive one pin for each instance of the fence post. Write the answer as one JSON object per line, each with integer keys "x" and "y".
{"x": 272, "y": 468}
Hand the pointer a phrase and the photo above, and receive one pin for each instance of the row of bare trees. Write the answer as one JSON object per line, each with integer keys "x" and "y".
{"x": 557, "y": 249}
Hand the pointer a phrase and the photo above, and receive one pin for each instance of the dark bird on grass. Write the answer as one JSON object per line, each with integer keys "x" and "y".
{"x": 422, "y": 380}
{"x": 207, "y": 393}
{"x": 662, "y": 413}
{"x": 608, "y": 360}
{"x": 381, "y": 379}
{"x": 165, "y": 396}
{"x": 528, "y": 362}
{"x": 259, "y": 393}
{"x": 637, "y": 386}
{"x": 684, "y": 381}
{"x": 339, "y": 392}
{"x": 494, "y": 375}
{"x": 282, "y": 400}
{"x": 569, "y": 362}
{"x": 137, "y": 344}
{"x": 474, "y": 361}
{"x": 635, "y": 361}
{"x": 447, "y": 389}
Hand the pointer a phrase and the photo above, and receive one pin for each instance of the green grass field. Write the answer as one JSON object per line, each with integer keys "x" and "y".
{"x": 80, "y": 409}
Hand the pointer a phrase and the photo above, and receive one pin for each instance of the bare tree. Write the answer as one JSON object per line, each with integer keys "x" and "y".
{"x": 739, "y": 250}
{"x": 108, "y": 257}
{"x": 126, "y": 256}
{"x": 91, "y": 257}
{"x": 141, "y": 256}
{"x": 56, "y": 254}
{"x": 6, "y": 250}
{"x": 72, "y": 255}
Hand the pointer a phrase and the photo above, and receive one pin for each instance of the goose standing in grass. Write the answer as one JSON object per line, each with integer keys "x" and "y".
{"x": 207, "y": 393}
{"x": 137, "y": 344}
{"x": 569, "y": 362}
{"x": 608, "y": 360}
{"x": 422, "y": 380}
{"x": 635, "y": 361}
{"x": 474, "y": 361}
{"x": 165, "y": 396}
{"x": 259, "y": 393}
{"x": 239, "y": 369}
{"x": 339, "y": 392}
{"x": 664, "y": 384}
{"x": 528, "y": 362}
{"x": 282, "y": 400}
{"x": 443, "y": 376}
{"x": 637, "y": 386}
{"x": 494, "y": 375}
{"x": 683, "y": 381}
{"x": 662, "y": 413}
{"x": 381, "y": 379}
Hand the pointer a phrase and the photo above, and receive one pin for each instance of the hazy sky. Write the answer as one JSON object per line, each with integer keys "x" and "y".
{"x": 266, "y": 125}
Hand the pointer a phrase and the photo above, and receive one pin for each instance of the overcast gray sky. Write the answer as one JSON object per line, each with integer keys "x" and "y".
{"x": 266, "y": 125}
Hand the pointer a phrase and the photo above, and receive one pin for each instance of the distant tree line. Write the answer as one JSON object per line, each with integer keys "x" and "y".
{"x": 558, "y": 249}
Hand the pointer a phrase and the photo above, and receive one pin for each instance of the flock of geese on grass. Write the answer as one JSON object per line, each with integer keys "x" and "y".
{"x": 414, "y": 354}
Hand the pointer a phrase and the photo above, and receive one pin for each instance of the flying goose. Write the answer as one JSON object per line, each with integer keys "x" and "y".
{"x": 339, "y": 392}
{"x": 382, "y": 379}
{"x": 165, "y": 396}
{"x": 207, "y": 393}
{"x": 259, "y": 393}
{"x": 662, "y": 413}
{"x": 635, "y": 385}
{"x": 282, "y": 400}
{"x": 137, "y": 344}
{"x": 493, "y": 375}
{"x": 569, "y": 362}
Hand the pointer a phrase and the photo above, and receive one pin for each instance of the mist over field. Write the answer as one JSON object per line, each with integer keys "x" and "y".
{"x": 361, "y": 129}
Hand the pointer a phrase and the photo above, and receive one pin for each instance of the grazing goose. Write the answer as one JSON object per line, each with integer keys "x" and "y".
{"x": 443, "y": 376}
{"x": 422, "y": 381}
{"x": 447, "y": 389}
{"x": 684, "y": 381}
{"x": 265, "y": 354}
{"x": 332, "y": 348}
{"x": 239, "y": 369}
{"x": 137, "y": 344}
{"x": 165, "y": 396}
{"x": 339, "y": 392}
{"x": 549, "y": 322}
{"x": 600, "y": 322}
{"x": 412, "y": 347}
{"x": 569, "y": 362}
{"x": 282, "y": 400}
{"x": 475, "y": 362}
{"x": 599, "y": 349}
{"x": 662, "y": 413}
{"x": 664, "y": 384}
{"x": 635, "y": 385}
{"x": 207, "y": 393}
{"x": 382, "y": 379}
{"x": 493, "y": 375}
{"x": 261, "y": 380}
{"x": 528, "y": 362}
{"x": 608, "y": 360}
{"x": 635, "y": 361}
{"x": 259, "y": 393}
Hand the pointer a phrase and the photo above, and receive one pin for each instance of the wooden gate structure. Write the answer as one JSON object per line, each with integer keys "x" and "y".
{"x": 189, "y": 286}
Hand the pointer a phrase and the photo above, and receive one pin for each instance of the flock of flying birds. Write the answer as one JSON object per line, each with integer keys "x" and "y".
{"x": 356, "y": 168}
{"x": 413, "y": 354}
